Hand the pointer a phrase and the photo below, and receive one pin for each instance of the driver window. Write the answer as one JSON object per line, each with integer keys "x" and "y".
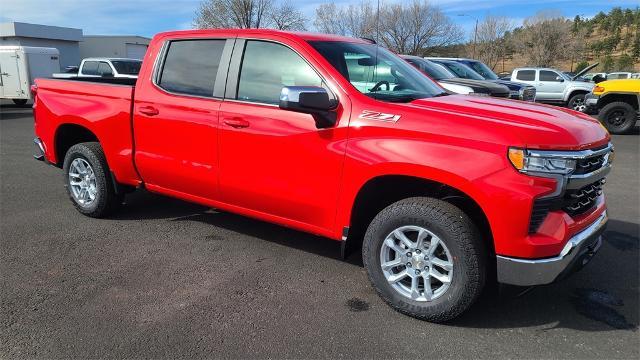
{"x": 552, "y": 76}
{"x": 267, "y": 68}
{"x": 364, "y": 73}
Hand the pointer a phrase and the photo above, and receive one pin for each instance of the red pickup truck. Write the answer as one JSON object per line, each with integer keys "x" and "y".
{"x": 339, "y": 137}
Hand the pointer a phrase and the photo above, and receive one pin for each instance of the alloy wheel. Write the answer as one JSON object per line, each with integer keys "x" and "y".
{"x": 416, "y": 263}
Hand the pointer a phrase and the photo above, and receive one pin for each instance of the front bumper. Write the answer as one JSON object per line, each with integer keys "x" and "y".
{"x": 577, "y": 252}
{"x": 591, "y": 102}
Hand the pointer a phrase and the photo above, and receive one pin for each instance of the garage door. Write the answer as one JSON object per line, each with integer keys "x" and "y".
{"x": 136, "y": 51}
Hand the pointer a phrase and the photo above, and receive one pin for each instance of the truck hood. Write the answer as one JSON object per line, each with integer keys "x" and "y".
{"x": 512, "y": 85}
{"x": 479, "y": 86}
{"x": 522, "y": 123}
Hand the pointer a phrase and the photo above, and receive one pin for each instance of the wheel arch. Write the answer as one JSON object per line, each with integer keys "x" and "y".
{"x": 574, "y": 92}
{"x": 67, "y": 135}
{"x": 383, "y": 190}
{"x": 632, "y": 99}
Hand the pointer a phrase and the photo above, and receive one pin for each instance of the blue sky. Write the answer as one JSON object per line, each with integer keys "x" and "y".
{"x": 147, "y": 17}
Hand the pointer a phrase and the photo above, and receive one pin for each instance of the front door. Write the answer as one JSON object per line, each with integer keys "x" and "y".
{"x": 550, "y": 86}
{"x": 274, "y": 161}
{"x": 176, "y": 119}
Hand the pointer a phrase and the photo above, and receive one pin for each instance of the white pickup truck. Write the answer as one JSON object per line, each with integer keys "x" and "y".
{"x": 555, "y": 87}
{"x": 105, "y": 67}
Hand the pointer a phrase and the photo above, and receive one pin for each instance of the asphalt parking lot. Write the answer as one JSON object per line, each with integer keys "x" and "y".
{"x": 165, "y": 278}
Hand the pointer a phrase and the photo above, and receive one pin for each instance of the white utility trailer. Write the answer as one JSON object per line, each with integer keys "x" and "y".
{"x": 20, "y": 65}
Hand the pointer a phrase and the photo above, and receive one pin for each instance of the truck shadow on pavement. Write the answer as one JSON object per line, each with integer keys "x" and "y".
{"x": 602, "y": 297}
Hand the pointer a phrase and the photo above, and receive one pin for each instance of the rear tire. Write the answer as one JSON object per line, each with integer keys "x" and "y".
{"x": 458, "y": 246}
{"x": 88, "y": 180}
{"x": 618, "y": 117}
{"x": 20, "y": 102}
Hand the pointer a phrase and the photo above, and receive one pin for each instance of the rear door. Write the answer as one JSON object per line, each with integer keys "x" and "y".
{"x": 10, "y": 82}
{"x": 551, "y": 86}
{"x": 176, "y": 118}
{"x": 273, "y": 161}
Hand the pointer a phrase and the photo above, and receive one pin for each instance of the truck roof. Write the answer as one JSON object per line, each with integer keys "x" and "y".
{"x": 306, "y": 36}
{"x": 109, "y": 59}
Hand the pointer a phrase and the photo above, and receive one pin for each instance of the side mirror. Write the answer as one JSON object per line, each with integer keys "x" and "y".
{"x": 312, "y": 100}
{"x": 559, "y": 78}
{"x": 106, "y": 75}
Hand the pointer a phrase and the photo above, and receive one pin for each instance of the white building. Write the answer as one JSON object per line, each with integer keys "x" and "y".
{"x": 66, "y": 40}
{"x": 133, "y": 47}
{"x": 71, "y": 43}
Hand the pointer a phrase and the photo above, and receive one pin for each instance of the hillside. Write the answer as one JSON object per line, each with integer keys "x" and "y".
{"x": 612, "y": 39}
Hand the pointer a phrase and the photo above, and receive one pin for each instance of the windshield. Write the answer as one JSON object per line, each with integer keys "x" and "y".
{"x": 461, "y": 70}
{"x": 376, "y": 72}
{"x": 128, "y": 67}
{"x": 435, "y": 71}
{"x": 483, "y": 70}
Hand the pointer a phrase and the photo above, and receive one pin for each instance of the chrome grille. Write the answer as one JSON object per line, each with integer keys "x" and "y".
{"x": 529, "y": 94}
{"x": 579, "y": 201}
{"x": 590, "y": 164}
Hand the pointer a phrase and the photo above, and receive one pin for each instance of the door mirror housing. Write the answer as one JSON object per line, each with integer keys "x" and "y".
{"x": 559, "y": 78}
{"x": 106, "y": 74}
{"x": 312, "y": 100}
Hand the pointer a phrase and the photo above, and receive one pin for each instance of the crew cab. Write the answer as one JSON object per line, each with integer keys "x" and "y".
{"x": 555, "y": 87}
{"x": 517, "y": 91}
{"x": 341, "y": 138}
{"x": 104, "y": 67}
{"x": 451, "y": 82}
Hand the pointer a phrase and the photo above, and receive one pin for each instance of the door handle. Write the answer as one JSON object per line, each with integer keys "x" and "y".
{"x": 148, "y": 110}
{"x": 236, "y": 122}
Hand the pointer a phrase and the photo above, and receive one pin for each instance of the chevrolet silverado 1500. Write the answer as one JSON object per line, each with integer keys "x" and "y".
{"x": 341, "y": 138}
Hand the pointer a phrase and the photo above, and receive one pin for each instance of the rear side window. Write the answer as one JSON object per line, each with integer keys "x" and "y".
{"x": 526, "y": 75}
{"x": 267, "y": 68}
{"x": 104, "y": 68}
{"x": 90, "y": 68}
{"x": 190, "y": 66}
{"x": 546, "y": 75}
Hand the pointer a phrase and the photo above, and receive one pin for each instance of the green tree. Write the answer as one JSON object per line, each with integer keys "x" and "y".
{"x": 581, "y": 65}
{"x": 625, "y": 63}
{"x": 607, "y": 64}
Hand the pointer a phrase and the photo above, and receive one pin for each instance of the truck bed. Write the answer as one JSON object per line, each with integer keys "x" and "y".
{"x": 100, "y": 80}
{"x": 100, "y": 105}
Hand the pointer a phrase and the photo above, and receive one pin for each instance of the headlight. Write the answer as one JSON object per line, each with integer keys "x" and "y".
{"x": 515, "y": 93}
{"x": 537, "y": 163}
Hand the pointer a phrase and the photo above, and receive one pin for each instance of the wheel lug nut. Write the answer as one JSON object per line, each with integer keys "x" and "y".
{"x": 426, "y": 268}
{"x": 408, "y": 264}
{"x": 417, "y": 251}
{"x": 417, "y": 272}
{"x": 408, "y": 254}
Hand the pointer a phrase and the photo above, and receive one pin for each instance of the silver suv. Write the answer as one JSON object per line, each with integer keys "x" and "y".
{"x": 555, "y": 87}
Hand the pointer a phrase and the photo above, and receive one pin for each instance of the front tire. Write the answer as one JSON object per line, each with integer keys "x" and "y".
{"x": 618, "y": 117}
{"x": 425, "y": 258}
{"x": 88, "y": 180}
{"x": 577, "y": 103}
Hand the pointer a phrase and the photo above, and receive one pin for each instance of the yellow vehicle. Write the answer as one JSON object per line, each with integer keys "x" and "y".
{"x": 617, "y": 104}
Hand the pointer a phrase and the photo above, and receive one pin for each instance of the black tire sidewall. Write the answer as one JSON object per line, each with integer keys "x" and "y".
{"x": 458, "y": 296}
{"x": 573, "y": 99}
{"x": 630, "y": 117}
{"x": 91, "y": 153}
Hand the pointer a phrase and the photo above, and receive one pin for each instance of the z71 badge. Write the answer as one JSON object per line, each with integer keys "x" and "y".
{"x": 374, "y": 115}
